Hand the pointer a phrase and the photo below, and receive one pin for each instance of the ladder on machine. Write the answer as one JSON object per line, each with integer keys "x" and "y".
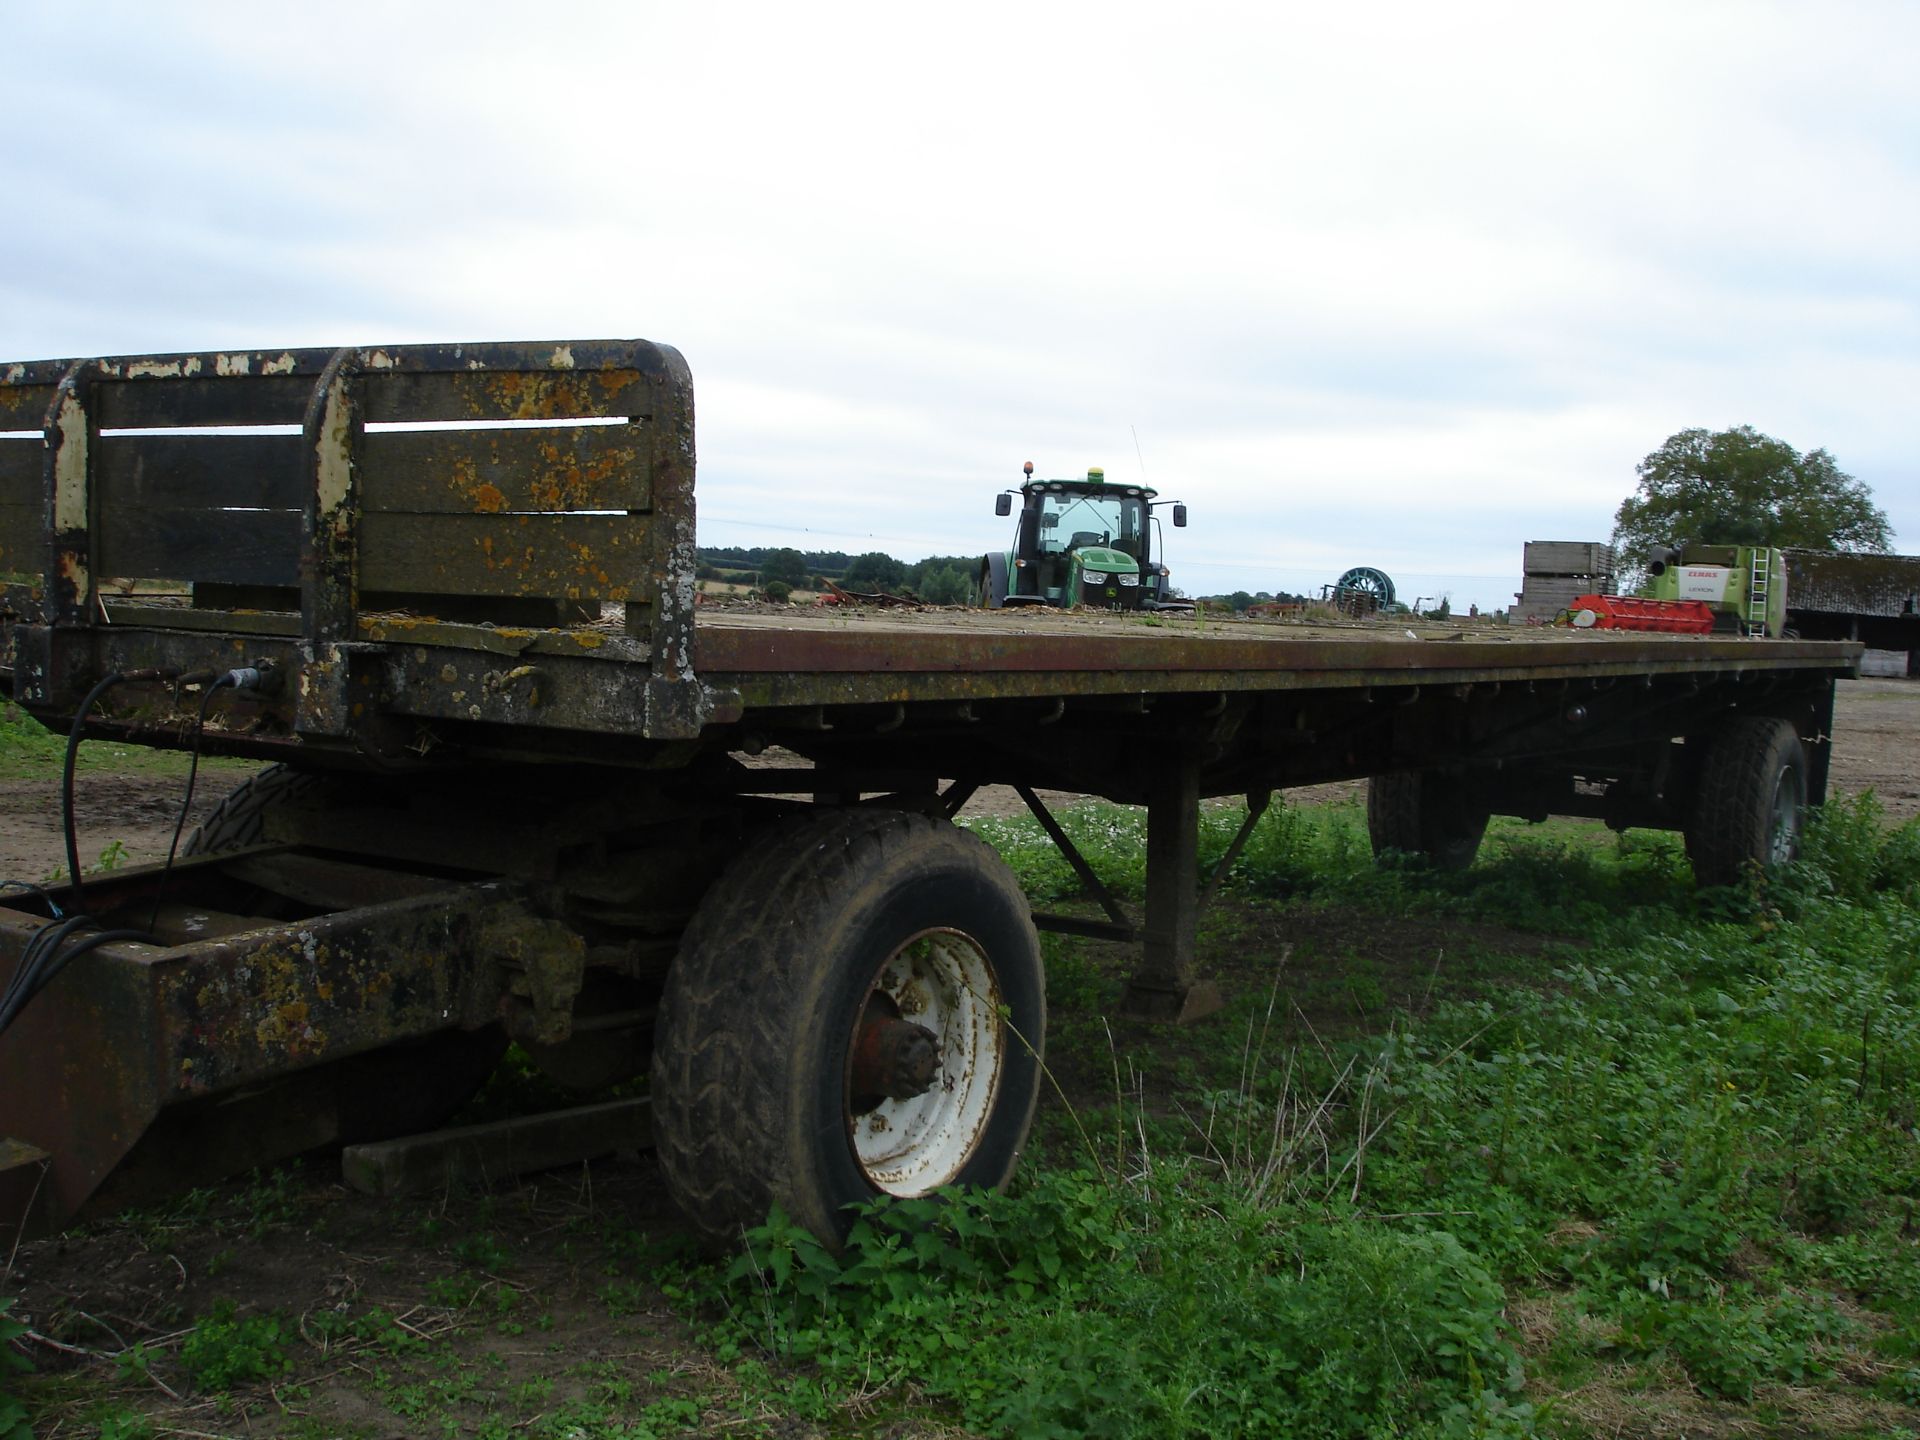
{"x": 1759, "y": 576}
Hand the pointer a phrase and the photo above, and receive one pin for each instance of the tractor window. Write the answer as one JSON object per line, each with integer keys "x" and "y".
{"x": 1069, "y": 521}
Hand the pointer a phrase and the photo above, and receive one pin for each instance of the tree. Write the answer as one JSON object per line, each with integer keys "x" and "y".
{"x": 875, "y": 570}
{"x": 786, "y": 565}
{"x": 946, "y": 584}
{"x": 1739, "y": 487}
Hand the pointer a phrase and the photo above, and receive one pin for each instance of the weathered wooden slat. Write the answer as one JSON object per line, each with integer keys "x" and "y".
{"x": 399, "y": 395}
{"x": 234, "y": 547}
{"x": 494, "y": 472}
{"x": 570, "y": 557}
{"x": 23, "y": 473}
{"x": 24, "y": 406}
{"x": 201, "y": 400}
{"x": 199, "y": 472}
{"x": 23, "y": 546}
{"x": 252, "y": 620}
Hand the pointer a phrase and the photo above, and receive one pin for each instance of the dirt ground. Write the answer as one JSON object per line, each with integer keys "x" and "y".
{"x": 1876, "y": 747}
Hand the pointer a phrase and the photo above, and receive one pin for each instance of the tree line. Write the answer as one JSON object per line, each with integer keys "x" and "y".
{"x": 936, "y": 580}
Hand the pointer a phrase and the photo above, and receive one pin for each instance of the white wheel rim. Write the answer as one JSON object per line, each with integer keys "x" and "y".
{"x": 943, "y": 980}
{"x": 1785, "y": 840}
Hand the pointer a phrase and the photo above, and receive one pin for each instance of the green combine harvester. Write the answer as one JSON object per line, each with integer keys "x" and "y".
{"x": 1081, "y": 542}
{"x": 1744, "y": 585}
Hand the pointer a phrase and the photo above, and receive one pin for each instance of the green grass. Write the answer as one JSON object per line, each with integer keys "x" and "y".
{"x": 26, "y": 747}
{"x": 1684, "y": 1150}
{"x": 1556, "y": 1146}
{"x": 29, "y": 750}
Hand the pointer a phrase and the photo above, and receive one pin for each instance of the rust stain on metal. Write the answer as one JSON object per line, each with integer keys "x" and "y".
{"x": 485, "y": 498}
{"x": 568, "y": 483}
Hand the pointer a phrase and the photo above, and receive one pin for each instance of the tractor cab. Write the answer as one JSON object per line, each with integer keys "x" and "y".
{"x": 1080, "y": 542}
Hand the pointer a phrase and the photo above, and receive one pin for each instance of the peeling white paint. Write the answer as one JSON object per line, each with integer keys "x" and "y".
{"x": 164, "y": 370}
{"x": 232, "y": 364}
{"x": 562, "y": 358}
{"x": 15, "y": 373}
{"x": 70, "y": 468}
{"x": 333, "y": 458}
{"x": 283, "y": 366}
{"x": 379, "y": 360}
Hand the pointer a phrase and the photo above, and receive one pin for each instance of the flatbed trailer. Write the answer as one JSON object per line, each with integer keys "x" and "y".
{"x": 451, "y": 590}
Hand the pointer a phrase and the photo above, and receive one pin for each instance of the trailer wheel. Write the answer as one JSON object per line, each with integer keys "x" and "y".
{"x": 1422, "y": 812}
{"x": 240, "y": 820}
{"x": 857, "y": 1009}
{"x": 1749, "y": 800}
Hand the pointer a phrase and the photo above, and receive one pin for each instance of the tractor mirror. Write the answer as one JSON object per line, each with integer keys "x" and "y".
{"x": 1003, "y": 504}
{"x": 1179, "y": 517}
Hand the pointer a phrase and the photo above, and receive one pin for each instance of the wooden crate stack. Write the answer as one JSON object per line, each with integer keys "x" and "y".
{"x": 1553, "y": 572}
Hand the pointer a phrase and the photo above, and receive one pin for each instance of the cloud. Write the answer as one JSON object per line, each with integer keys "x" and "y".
{"x": 1402, "y": 285}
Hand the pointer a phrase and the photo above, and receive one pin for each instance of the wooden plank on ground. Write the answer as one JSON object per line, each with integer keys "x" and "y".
{"x": 475, "y": 1153}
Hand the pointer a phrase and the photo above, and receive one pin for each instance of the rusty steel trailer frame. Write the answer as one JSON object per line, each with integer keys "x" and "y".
{"x": 463, "y": 578}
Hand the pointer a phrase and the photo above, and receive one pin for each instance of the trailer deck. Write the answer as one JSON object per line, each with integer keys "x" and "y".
{"x": 452, "y": 588}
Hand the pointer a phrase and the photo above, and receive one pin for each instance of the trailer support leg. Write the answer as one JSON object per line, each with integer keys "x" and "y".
{"x": 1163, "y": 988}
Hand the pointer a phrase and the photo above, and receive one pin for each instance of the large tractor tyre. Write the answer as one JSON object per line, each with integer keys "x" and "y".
{"x": 1749, "y": 801}
{"x": 991, "y": 593}
{"x": 857, "y": 1009}
{"x": 240, "y": 820}
{"x": 400, "y": 1089}
{"x": 1420, "y": 812}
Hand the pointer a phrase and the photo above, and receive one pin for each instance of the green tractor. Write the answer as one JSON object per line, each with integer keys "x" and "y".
{"x": 1080, "y": 542}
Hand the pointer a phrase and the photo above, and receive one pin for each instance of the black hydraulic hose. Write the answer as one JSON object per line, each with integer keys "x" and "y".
{"x": 66, "y": 783}
{"x": 45, "y": 940}
{"x": 44, "y": 961}
{"x": 237, "y": 679}
{"x": 53, "y": 906}
{"x": 48, "y": 952}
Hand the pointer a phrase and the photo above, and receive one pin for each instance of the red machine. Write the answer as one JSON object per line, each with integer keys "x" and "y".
{"x": 1627, "y": 612}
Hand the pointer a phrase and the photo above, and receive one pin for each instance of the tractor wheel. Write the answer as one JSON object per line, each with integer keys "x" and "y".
{"x": 991, "y": 593}
{"x": 240, "y": 820}
{"x": 1749, "y": 801}
{"x": 1423, "y": 812}
{"x": 857, "y": 1009}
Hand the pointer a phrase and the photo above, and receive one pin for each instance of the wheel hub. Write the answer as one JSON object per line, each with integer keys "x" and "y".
{"x": 924, "y": 1063}
{"x": 894, "y": 1058}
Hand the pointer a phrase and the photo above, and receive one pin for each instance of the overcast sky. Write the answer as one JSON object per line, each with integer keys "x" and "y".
{"x": 1404, "y": 285}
